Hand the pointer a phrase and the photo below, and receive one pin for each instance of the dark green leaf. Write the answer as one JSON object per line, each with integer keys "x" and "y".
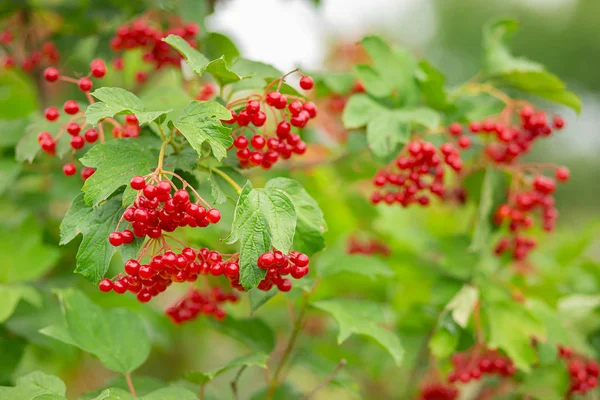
{"x": 259, "y": 298}
{"x": 216, "y": 45}
{"x": 253, "y": 332}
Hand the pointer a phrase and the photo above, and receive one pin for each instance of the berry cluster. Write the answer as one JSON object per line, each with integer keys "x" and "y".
{"x": 206, "y": 92}
{"x": 148, "y": 36}
{"x": 155, "y": 210}
{"x": 473, "y": 364}
{"x": 194, "y": 303}
{"x": 583, "y": 373}
{"x": 131, "y": 128}
{"x": 279, "y": 265}
{"x": 75, "y": 126}
{"x": 437, "y": 391}
{"x": 509, "y": 141}
{"x": 419, "y": 169}
{"x": 27, "y": 60}
{"x": 367, "y": 247}
{"x": 517, "y": 212}
{"x": 268, "y": 149}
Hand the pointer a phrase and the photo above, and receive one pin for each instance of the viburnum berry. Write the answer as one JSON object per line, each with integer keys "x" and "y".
{"x": 137, "y": 183}
{"x": 306, "y": 82}
{"x": 131, "y": 119}
{"x": 115, "y": 238}
{"x": 97, "y": 68}
{"x": 105, "y": 285}
{"x": 69, "y": 169}
{"x": 51, "y": 113}
{"x": 77, "y": 142}
{"x": 87, "y": 172}
{"x": 51, "y": 74}
{"x": 474, "y": 363}
{"x": 438, "y": 391}
{"x": 71, "y": 107}
{"x": 455, "y": 129}
{"x": 73, "y": 128}
{"x": 562, "y": 174}
{"x": 85, "y": 84}
{"x": 91, "y": 135}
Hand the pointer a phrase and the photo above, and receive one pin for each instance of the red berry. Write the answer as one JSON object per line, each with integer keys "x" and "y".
{"x": 87, "y": 172}
{"x": 213, "y": 215}
{"x": 310, "y": 108}
{"x": 562, "y": 174}
{"x": 131, "y": 119}
{"x": 252, "y": 107}
{"x": 475, "y": 126}
{"x": 73, "y": 128}
{"x": 285, "y": 285}
{"x": 115, "y": 238}
{"x": 181, "y": 196}
{"x": 77, "y": 142}
{"x": 259, "y": 118}
{"x": 558, "y": 122}
{"x": 266, "y": 260}
{"x": 256, "y": 158}
{"x": 132, "y": 267}
{"x": 464, "y": 142}
{"x": 283, "y": 129}
{"x": 69, "y": 169}
{"x": 48, "y": 145}
{"x": 91, "y": 135}
{"x": 455, "y": 128}
{"x": 240, "y": 142}
{"x": 273, "y": 98}
{"x": 281, "y": 103}
{"x": 258, "y": 142}
{"x": 306, "y": 82}
{"x": 105, "y": 285}
{"x": 119, "y": 287}
{"x": 98, "y": 68}
{"x": 137, "y": 183}
{"x": 71, "y": 107}
{"x": 144, "y": 296}
{"x": 295, "y": 107}
{"x": 51, "y": 113}
{"x": 301, "y": 260}
{"x": 51, "y": 74}
{"x": 85, "y": 84}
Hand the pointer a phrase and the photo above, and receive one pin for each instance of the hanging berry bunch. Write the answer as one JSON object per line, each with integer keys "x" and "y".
{"x": 526, "y": 196}
{"x": 477, "y": 362}
{"x": 368, "y": 247}
{"x": 288, "y": 113}
{"x": 26, "y": 51}
{"x": 437, "y": 391}
{"x": 146, "y": 33}
{"x": 195, "y": 303}
{"x": 416, "y": 173}
{"x": 583, "y": 373}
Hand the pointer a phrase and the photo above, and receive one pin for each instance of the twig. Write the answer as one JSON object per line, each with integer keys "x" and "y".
{"x": 327, "y": 380}
{"x": 223, "y": 175}
{"x": 130, "y": 384}
{"x": 234, "y": 382}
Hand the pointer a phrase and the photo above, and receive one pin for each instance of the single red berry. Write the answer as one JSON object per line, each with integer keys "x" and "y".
{"x": 266, "y": 260}
{"x": 71, "y": 107}
{"x": 310, "y": 108}
{"x": 285, "y": 285}
{"x": 77, "y": 142}
{"x": 141, "y": 77}
{"x": 306, "y": 82}
{"x": 115, "y": 238}
{"x": 85, "y": 84}
{"x": 283, "y": 129}
{"x": 258, "y": 142}
{"x": 131, "y": 119}
{"x": 455, "y": 129}
{"x": 87, "y": 172}
{"x": 558, "y": 122}
{"x": 144, "y": 296}
{"x": 243, "y": 118}
{"x": 256, "y": 158}
{"x": 231, "y": 270}
{"x": 240, "y": 142}
{"x": 51, "y": 74}
{"x": 213, "y": 215}
{"x": 91, "y": 135}
{"x": 105, "y": 285}
{"x": 273, "y": 98}
{"x": 98, "y": 68}
{"x": 252, "y": 107}
{"x": 464, "y": 142}
{"x": 48, "y": 145}
{"x": 163, "y": 187}
{"x": 181, "y": 196}
{"x": 51, "y": 113}
{"x": 562, "y": 174}
{"x": 69, "y": 169}
{"x": 475, "y": 126}
{"x": 295, "y": 107}
{"x": 73, "y": 128}
{"x": 137, "y": 183}
{"x": 301, "y": 260}
{"x": 281, "y": 102}
{"x": 119, "y": 287}
{"x": 259, "y": 118}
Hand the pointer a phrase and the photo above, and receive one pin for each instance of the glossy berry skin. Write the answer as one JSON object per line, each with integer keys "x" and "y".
{"x": 137, "y": 183}
{"x": 77, "y": 142}
{"x": 306, "y": 82}
{"x": 51, "y": 113}
{"x": 73, "y": 128}
{"x": 51, "y": 74}
{"x": 455, "y": 129}
{"x": 91, "y": 135}
{"x": 98, "y": 68}
{"x": 105, "y": 285}
{"x": 71, "y": 107}
{"x": 69, "y": 169}
{"x": 87, "y": 172}
{"x": 214, "y": 215}
{"x": 562, "y": 174}
{"x": 115, "y": 238}
{"x": 85, "y": 84}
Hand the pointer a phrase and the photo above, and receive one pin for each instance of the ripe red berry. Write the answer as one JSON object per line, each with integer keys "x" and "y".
{"x": 558, "y": 122}
{"x": 258, "y": 142}
{"x": 181, "y": 196}
{"x": 69, "y": 169}
{"x": 252, "y": 107}
{"x": 240, "y": 142}
{"x": 464, "y": 142}
{"x": 137, "y": 183}
{"x": 310, "y": 108}
{"x": 475, "y": 127}
{"x": 306, "y": 82}
{"x": 256, "y": 158}
{"x": 98, "y": 68}
{"x": 266, "y": 260}
{"x": 273, "y": 98}
{"x": 144, "y": 296}
{"x": 91, "y": 135}
{"x": 51, "y": 113}
{"x": 285, "y": 285}
{"x": 455, "y": 128}
{"x": 213, "y": 215}
{"x": 73, "y": 128}
{"x": 131, "y": 119}
{"x": 48, "y": 145}
{"x": 105, "y": 285}
{"x": 87, "y": 172}
{"x": 562, "y": 174}
{"x": 71, "y": 107}
{"x": 283, "y": 129}
{"x": 85, "y": 84}
{"x": 119, "y": 286}
{"x": 259, "y": 118}
{"x": 51, "y": 74}
{"x": 301, "y": 260}
{"x": 115, "y": 238}
{"x": 77, "y": 142}
{"x": 295, "y": 107}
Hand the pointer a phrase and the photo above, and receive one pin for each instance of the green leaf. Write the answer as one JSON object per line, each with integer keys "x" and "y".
{"x": 253, "y": 332}
{"x": 200, "y": 122}
{"x": 50, "y": 397}
{"x": 359, "y": 110}
{"x": 431, "y": 81}
{"x": 114, "y": 394}
{"x": 216, "y": 45}
{"x": 33, "y": 385}
{"x": 264, "y": 218}
{"x": 555, "y": 331}
{"x": 11, "y": 295}
{"x": 95, "y": 224}
{"x": 253, "y": 360}
{"x": 259, "y": 298}
{"x": 373, "y": 82}
{"x": 546, "y": 383}
{"x": 333, "y": 82}
{"x": 445, "y": 340}
{"x": 259, "y": 74}
{"x": 493, "y": 193}
{"x": 200, "y": 64}
{"x": 462, "y": 304}
{"x": 284, "y": 391}
{"x": 117, "y": 337}
{"x": 221, "y": 190}
{"x": 59, "y": 332}
{"x": 171, "y": 393}
{"x": 23, "y": 254}
{"x": 12, "y": 131}
{"x": 310, "y": 222}
{"x": 9, "y": 171}
{"x": 117, "y": 101}
{"x": 116, "y": 162}
{"x": 386, "y": 133}
{"x": 511, "y": 328}
{"x": 362, "y": 318}
{"x": 333, "y": 262}
{"x": 497, "y": 56}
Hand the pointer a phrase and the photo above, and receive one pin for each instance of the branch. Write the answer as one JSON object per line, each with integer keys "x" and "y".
{"x": 130, "y": 384}
{"x": 327, "y": 380}
{"x": 234, "y": 382}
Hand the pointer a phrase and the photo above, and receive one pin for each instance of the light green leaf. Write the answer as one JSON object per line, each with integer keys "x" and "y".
{"x": 114, "y": 394}
{"x": 556, "y": 332}
{"x": 50, "y": 397}
{"x": 373, "y": 82}
{"x": 59, "y": 332}
{"x": 95, "y": 224}
{"x": 33, "y": 386}
{"x": 493, "y": 193}
{"x": 362, "y": 318}
{"x": 431, "y": 81}
{"x": 221, "y": 190}
{"x": 443, "y": 343}
{"x": 117, "y": 337}
{"x": 11, "y": 295}
{"x": 310, "y": 222}
{"x": 116, "y": 101}
{"x": 259, "y": 74}
{"x": 359, "y": 110}
{"x": 253, "y": 360}
{"x": 216, "y": 45}
{"x": 333, "y": 82}
{"x": 386, "y": 133}
{"x": 263, "y": 218}
{"x": 546, "y": 383}
{"x": 462, "y": 304}
{"x": 171, "y": 393}
{"x": 201, "y": 122}
{"x": 333, "y": 262}
{"x": 12, "y": 131}
{"x": 253, "y": 332}
{"x": 9, "y": 171}
{"x": 116, "y": 162}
